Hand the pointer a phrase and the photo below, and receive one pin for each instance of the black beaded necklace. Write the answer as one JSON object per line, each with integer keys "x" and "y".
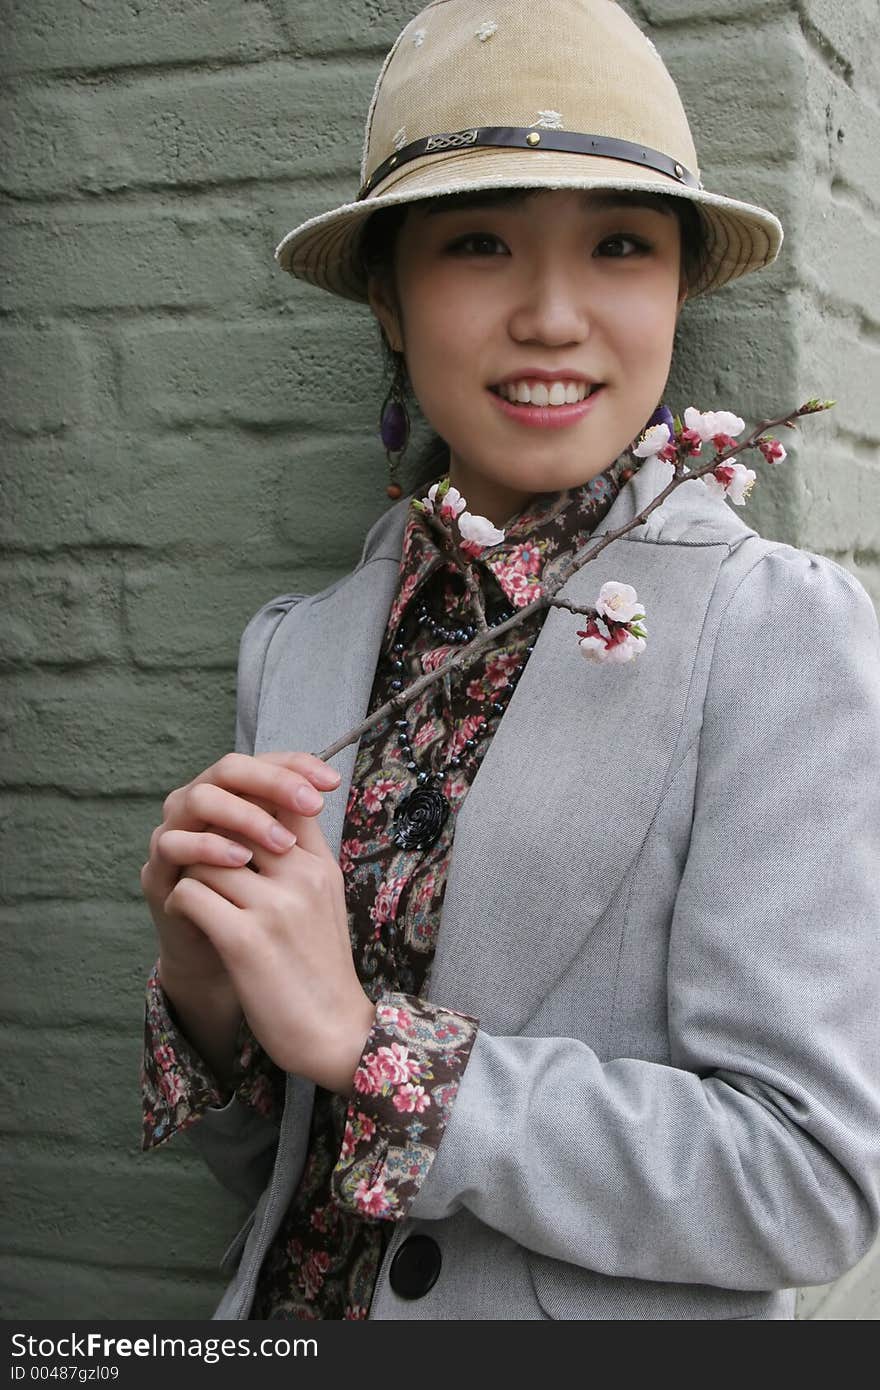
{"x": 421, "y": 812}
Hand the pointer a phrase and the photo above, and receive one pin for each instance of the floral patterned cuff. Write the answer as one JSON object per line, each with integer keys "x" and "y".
{"x": 177, "y": 1085}
{"x": 404, "y": 1087}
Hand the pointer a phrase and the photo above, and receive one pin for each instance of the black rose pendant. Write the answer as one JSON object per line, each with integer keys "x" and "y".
{"x": 419, "y": 818}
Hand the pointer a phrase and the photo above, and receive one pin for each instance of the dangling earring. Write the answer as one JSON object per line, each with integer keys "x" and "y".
{"x": 394, "y": 425}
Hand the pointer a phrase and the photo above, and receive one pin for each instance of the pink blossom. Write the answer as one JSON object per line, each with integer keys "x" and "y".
{"x": 500, "y": 668}
{"x": 384, "y": 908}
{"x": 366, "y": 1127}
{"x": 393, "y": 1064}
{"x": 394, "y": 1017}
{"x": 772, "y": 450}
{"x": 171, "y": 1086}
{"x": 619, "y": 645}
{"x": 348, "y": 1141}
{"x": 366, "y": 1082}
{"x": 690, "y": 441}
{"x": 372, "y": 1200}
{"x": 526, "y": 557}
{"x": 374, "y": 795}
{"x": 411, "y": 1098}
{"x": 165, "y": 1057}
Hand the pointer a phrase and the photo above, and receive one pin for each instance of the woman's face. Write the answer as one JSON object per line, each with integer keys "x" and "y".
{"x": 582, "y": 286}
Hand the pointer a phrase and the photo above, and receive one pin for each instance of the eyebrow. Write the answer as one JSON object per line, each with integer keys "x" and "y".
{"x": 515, "y": 197}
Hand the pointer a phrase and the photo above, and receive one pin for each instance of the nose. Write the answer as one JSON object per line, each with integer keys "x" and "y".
{"x": 550, "y": 307}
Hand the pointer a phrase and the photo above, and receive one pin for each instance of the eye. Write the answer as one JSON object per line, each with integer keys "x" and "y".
{"x": 619, "y": 239}
{"x": 465, "y": 244}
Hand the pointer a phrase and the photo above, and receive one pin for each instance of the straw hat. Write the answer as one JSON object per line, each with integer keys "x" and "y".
{"x": 528, "y": 94}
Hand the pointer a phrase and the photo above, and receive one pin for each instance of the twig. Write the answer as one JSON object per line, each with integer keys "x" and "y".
{"x": 466, "y": 655}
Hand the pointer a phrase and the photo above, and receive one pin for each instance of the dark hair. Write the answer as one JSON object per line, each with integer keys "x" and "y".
{"x": 378, "y": 241}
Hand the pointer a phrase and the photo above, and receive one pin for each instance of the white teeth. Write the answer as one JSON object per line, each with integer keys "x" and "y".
{"x": 544, "y": 392}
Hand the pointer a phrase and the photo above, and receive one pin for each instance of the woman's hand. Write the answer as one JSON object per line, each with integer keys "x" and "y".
{"x": 218, "y": 819}
{"x": 282, "y": 936}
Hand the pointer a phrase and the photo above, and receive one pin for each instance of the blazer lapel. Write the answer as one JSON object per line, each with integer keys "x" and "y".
{"x": 566, "y": 791}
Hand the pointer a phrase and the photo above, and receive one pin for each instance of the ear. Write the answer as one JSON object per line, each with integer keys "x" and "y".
{"x": 385, "y": 310}
{"x": 682, "y": 293}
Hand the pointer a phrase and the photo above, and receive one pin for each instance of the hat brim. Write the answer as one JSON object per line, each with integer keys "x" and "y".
{"x": 740, "y": 237}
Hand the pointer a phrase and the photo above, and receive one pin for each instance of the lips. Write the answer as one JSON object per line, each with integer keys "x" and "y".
{"x": 538, "y": 391}
{"x": 542, "y": 414}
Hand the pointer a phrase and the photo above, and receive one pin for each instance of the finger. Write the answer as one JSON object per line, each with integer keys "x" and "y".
{"x": 277, "y": 777}
{"x": 219, "y": 919}
{"x": 239, "y": 887}
{"x": 207, "y": 805}
{"x": 181, "y": 847}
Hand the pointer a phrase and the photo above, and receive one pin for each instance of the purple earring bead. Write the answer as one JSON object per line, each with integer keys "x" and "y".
{"x": 394, "y": 427}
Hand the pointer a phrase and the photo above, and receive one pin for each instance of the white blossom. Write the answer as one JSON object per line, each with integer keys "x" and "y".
{"x": 486, "y": 30}
{"x": 479, "y": 530}
{"x": 737, "y": 488}
{"x": 451, "y": 498}
{"x": 619, "y": 602}
{"x": 713, "y": 422}
{"x": 652, "y": 441}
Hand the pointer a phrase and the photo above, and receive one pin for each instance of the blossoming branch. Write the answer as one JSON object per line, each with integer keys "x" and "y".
{"x": 615, "y": 630}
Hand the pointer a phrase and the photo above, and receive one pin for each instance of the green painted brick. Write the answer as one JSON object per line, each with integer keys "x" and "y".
{"x": 211, "y": 604}
{"x": 152, "y": 734}
{"x": 311, "y": 28}
{"x": 165, "y": 492}
{"x": 40, "y": 35}
{"x": 54, "y": 846}
{"x": 139, "y": 259}
{"x": 58, "y": 1108}
{"x": 254, "y": 373}
{"x": 115, "y": 1210}
{"x": 675, "y": 13}
{"x": 288, "y": 119}
{"x": 77, "y": 963}
{"x": 845, "y": 503}
{"x": 59, "y": 612}
{"x": 31, "y": 1286}
{"x": 44, "y": 378}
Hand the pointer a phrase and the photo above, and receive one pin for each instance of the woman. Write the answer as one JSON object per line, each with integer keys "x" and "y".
{"x": 613, "y": 1054}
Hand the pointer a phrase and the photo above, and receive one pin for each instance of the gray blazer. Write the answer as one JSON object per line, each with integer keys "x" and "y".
{"x": 663, "y": 907}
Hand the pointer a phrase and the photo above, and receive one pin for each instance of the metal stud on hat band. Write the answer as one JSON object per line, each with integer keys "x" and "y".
{"x": 525, "y": 138}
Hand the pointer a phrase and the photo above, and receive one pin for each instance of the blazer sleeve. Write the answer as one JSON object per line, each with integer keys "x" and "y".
{"x": 238, "y": 1140}
{"x": 752, "y": 1159}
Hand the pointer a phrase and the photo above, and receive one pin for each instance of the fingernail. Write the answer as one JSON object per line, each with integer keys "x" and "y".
{"x": 309, "y": 799}
{"x": 239, "y": 854}
{"x": 282, "y": 838}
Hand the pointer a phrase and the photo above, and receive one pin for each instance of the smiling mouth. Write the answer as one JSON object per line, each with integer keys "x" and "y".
{"x": 545, "y": 393}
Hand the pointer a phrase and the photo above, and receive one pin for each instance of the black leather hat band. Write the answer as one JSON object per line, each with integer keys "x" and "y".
{"x": 532, "y": 138}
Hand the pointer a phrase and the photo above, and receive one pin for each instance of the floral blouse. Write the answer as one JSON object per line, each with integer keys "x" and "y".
{"x": 369, "y": 1152}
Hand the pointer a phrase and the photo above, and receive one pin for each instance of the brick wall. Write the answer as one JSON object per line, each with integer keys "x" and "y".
{"x": 179, "y": 418}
